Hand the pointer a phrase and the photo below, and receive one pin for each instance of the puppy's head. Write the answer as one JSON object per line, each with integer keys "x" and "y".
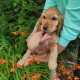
{"x": 51, "y": 20}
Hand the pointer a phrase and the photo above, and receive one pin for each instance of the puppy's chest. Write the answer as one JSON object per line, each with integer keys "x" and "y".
{"x": 54, "y": 39}
{"x": 45, "y": 46}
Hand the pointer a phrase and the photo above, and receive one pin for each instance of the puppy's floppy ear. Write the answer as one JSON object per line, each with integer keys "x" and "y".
{"x": 61, "y": 20}
{"x": 38, "y": 26}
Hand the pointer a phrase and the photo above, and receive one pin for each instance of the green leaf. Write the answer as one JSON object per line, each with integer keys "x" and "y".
{"x": 14, "y": 4}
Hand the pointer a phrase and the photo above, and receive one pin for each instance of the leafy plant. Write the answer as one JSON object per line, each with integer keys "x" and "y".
{"x": 22, "y": 15}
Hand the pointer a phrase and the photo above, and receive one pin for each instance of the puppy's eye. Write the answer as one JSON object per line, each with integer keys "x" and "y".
{"x": 44, "y": 17}
{"x": 53, "y": 18}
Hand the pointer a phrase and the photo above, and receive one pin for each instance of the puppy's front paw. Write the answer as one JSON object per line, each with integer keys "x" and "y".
{"x": 21, "y": 62}
{"x": 52, "y": 66}
{"x": 26, "y": 62}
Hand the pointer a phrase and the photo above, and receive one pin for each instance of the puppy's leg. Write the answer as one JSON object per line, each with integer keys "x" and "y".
{"x": 25, "y": 57}
{"x": 31, "y": 35}
{"x": 32, "y": 45}
{"x": 52, "y": 64}
{"x": 26, "y": 63}
{"x": 34, "y": 41}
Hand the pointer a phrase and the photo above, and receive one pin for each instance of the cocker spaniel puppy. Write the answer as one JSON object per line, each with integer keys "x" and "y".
{"x": 51, "y": 22}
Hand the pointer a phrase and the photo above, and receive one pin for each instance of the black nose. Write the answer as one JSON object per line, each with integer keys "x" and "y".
{"x": 45, "y": 27}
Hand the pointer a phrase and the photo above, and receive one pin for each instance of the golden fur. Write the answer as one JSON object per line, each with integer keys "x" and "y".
{"x": 51, "y": 21}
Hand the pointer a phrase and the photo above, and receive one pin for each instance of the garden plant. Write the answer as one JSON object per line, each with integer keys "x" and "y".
{"x": 17, "y": 21}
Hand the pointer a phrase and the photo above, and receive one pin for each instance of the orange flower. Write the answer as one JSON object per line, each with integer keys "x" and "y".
{"x": 69, "y": 77}
{"x": 3, "y": 61}
{"x": 68, "y": 71}
{"x": 59, "y": 68}
{"x": 52, "y": 77}
{"x": 76, "y": 78}
{"x": 30, "y": 62}
{"x": 19, "y": 31}
{"x": 75, "y": 68}
{"x": 20, "y": 66}
{"x": 33, "y": 77}
{"x": 38, "y": 61}
{"x": 27, "y": 78}
{"x": 59, "y": 74}
{"x": 62, "y": 66}
{"x": 0, "y": 62}
{"x": 15, "y": 32}
{"x": 78, "y": 66}
{"x": 63, "y": 72}
{"x": 57, "y": 78}
{"x": 12, "y": 70}
{"x": 22, "y": 33}
{"x": 38, "y": 75}
{"x": 23, "y": 77}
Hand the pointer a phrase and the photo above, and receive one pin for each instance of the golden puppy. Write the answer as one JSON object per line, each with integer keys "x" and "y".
{"x": 51, "y": 21}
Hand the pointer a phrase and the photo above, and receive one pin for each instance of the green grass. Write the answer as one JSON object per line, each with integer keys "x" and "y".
{"x": 22, "y": 14}
{"x": 13, "y": 46}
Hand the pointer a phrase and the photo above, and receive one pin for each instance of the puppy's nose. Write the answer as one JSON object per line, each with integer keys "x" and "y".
{"x": 45, "y": 27}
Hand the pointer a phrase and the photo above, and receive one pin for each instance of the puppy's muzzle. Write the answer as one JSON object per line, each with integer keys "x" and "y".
{"x": 45, "y": 27}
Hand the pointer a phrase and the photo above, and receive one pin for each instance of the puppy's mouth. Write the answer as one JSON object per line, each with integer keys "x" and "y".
{"x": 43, "y": 33}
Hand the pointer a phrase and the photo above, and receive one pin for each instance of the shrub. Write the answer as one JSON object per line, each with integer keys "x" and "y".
{"x": 19, "y": 14}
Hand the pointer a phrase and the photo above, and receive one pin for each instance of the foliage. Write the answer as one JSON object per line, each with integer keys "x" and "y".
{"x": 16, "y": 14}
{"x": 22, "y": 15}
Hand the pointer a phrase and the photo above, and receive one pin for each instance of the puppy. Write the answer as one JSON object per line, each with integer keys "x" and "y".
{"x": 51, "y": 22}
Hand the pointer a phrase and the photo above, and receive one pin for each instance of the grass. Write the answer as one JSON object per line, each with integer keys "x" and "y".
{"x": 12, "y": 47}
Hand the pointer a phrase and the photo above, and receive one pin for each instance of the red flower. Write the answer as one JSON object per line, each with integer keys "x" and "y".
{"x": 30, "y": 62}
{"x": 52, "y": 77}
{"x": 62, "y": 66}
{"x": 38, "y": 61}
{"x": 12, "y": 70}
{"x": 78, "y": 66}
{"x": 3, "y": 61}
{"x": 22, "y": 33}
{"x": 0, "y": 62}
{"x": 69, "y": 77}
{"x": 20, "y": 66}
{"x": 63, "y": 72}
{"x": 23, "y": 77}
{"x": 75, "y": 68}
{"x": 59, "y": 74}
{"x": 19, "y": 31}
{"x": 15, "y": 32}
{"x": 38, "y": 75}
{"x": 59, "y": 68}
{"x": 33, "y": 77}
{"x": 68, "y": 71}
{"x": 76, "y": 78}
{"x": 57, "y": 78}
